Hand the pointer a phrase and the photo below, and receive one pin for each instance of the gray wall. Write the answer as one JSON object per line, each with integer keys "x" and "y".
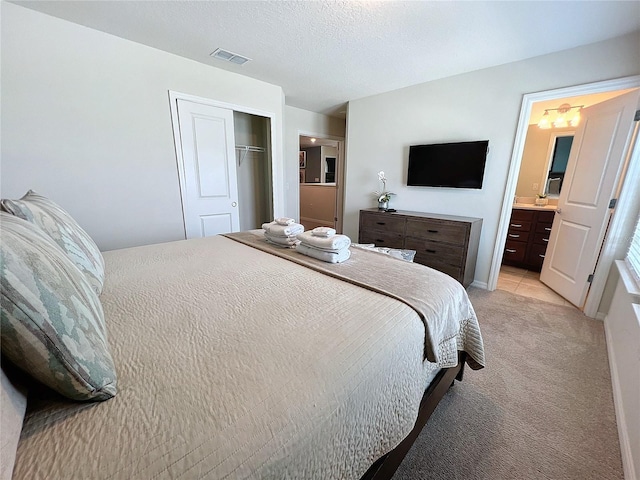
{"x": 86, "y": 121}
{"x": 479, "y": 105}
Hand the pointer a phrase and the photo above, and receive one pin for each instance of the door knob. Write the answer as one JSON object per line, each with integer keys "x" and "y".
{"x": 234, "y": 204}
{"x": 559, "y": 211}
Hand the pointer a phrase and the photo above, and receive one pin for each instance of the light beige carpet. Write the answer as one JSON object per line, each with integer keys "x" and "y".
{"x": 541, "y": 409}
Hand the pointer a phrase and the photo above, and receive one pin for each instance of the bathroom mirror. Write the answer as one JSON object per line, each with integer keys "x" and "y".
{"x": 558, "y": 156}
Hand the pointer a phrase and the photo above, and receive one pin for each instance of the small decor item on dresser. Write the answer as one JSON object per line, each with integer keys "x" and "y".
{"x": 541, "y": 199}
{"x": 383, "y": 195}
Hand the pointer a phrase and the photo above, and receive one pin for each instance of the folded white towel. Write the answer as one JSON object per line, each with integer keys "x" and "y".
{"x": 281, "y": 230}
{"x": 323, "y": 232}
{"x": 329, "y": 250}
{"x": 325, "y": 256}
{"x": 282, "y": 241}
{"x": 285, "y": 221}
{"x": 336, "y": 242}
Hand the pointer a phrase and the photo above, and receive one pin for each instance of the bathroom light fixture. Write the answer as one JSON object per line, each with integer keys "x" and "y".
{"x": 313, "y": 140}
{"x": 560, "y": 121}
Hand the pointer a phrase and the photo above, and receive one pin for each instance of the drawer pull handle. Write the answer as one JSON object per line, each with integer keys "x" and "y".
{"x": 379, "y": 241}
{"x": 545, "y": 239}
{"x": 430, "y": 251}
{"x": 432, "y": 231}
{"x": 514, "y": 236}
{"x": 380, "y": 223}
{"x": 517, "y": 225}
{"x": 511, "y": 251}
{"x": 541, "y": 255}
{"x": 547, "y": 229}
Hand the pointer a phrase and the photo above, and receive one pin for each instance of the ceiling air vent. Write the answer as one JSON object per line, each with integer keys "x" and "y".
{"x": 228, "y": 56}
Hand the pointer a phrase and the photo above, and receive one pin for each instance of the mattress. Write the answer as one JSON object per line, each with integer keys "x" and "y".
{"x": 234, "y": 363}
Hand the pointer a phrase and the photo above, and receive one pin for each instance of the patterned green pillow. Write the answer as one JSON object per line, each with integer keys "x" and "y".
{"x": 52, "y": 324}
{"x": 64, "y": 230}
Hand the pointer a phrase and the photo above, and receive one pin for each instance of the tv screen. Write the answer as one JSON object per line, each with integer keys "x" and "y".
{"x": 454, "y": 165}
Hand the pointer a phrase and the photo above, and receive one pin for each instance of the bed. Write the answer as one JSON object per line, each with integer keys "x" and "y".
{"x": 239, "y": 360}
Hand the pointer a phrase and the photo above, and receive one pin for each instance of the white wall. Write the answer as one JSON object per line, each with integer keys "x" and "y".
{"x": 297, "y": 122}
{"x": 86, "y": 122}
{"x": 622, "y": 328}
{"x": 479, "y": 105}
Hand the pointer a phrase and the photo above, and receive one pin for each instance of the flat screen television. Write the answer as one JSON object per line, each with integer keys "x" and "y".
{"x": 454, "y": 165}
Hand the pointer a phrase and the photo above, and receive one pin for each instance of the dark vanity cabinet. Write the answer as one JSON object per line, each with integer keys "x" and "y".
{"x": 527, "y": 238}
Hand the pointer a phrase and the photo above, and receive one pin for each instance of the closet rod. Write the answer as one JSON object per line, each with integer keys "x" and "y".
{"x": 246, "y": 149}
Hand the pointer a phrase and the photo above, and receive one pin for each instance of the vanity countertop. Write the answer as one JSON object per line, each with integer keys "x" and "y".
{"x": 532, "y": 206}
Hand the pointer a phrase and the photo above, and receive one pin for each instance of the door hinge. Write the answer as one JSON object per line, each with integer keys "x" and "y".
{"x": 612, "y": 202}
{"x": 590, "y": 278}
{"x": 636, "y": 118}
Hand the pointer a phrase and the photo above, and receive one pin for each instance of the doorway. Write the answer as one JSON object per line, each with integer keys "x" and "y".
{"x": 321, "y": 162}
{"x": 534, "y": 106}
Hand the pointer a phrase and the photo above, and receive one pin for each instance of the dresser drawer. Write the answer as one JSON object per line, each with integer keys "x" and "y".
{"x": 455, "y": 233}
{"x": 541, "y": 238}
{"x": 438, "y": 264}
{"x": 536, "y": 255}
{"x": 518, "y": 236}
{"x": 525, "y": 215}
{"x": 546, "y": 217}
{"x": 437, "y": 251}
{"x": 514, "y": 251}
{"x": 544, "y": 227}
{"x": 381, "y": 239}
{"x": 519, "y": 225}
{"x": 382, "y": 222}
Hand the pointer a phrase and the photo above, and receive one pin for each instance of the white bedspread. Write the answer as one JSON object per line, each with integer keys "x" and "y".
{"x": 274, "y": 372}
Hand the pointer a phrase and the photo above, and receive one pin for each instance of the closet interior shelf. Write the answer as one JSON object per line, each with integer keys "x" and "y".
{"x": 244, "y": 149}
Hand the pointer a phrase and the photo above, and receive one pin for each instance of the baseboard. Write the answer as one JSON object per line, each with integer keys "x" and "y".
{"x": 601, "y": 316}
{"x": 478, "y": 284}
{"x": 625, "y": 447}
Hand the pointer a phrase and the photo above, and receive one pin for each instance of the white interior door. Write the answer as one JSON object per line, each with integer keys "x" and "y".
{"x": 593, "y": 171}
{"x": 208, "y": 171}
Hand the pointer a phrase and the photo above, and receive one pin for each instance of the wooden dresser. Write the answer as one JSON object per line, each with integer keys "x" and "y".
{"x": 444, "y": 242}
{"x": 527, "y": 238}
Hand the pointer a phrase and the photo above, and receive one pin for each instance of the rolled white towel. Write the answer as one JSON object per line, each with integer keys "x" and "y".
{"x": 281, "y": 230}
{"x": 329, "y": 257}
{"x": 284, "y": 221}
{"x": 323, "y": 232}
{"x": 336, "y": 242}
{"x": 282, "y": 241}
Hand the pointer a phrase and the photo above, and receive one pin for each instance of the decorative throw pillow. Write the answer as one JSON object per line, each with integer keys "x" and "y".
{"x": 52, "y": 324}
{"x": 64, "y": 230}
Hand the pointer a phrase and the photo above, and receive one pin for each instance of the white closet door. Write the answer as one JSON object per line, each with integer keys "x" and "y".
{"x": 208, "y": 170}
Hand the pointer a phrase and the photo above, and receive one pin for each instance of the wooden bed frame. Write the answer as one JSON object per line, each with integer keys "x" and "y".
{"x": 385, "y": 467}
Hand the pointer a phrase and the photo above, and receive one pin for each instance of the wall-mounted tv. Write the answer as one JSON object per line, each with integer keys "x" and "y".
{"x": 454, "y": 165}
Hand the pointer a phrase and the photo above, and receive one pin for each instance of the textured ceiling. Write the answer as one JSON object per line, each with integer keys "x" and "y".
{"x": 325, "y": 53}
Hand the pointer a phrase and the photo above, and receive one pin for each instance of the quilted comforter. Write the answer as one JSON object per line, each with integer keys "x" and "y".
{"x": 235, "y": 363}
